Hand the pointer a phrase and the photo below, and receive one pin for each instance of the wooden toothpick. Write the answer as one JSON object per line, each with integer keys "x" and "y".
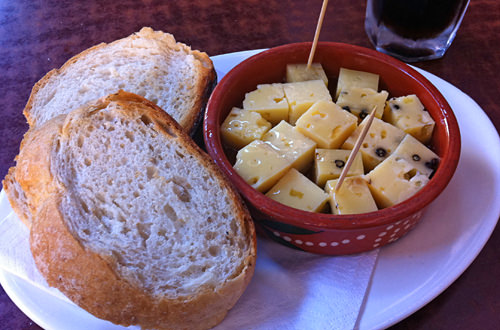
{"x": 316, "y": 35}
{"x": 355, "y": 150}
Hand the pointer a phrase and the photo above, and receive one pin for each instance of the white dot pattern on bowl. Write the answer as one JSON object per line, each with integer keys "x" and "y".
{"x": 389, "y": 234}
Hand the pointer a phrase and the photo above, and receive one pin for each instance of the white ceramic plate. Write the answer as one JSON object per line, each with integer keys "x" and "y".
{"x": 409, "y": 273}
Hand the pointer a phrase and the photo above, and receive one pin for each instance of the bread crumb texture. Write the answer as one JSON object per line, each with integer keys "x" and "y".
{"x": 147, "y": 203}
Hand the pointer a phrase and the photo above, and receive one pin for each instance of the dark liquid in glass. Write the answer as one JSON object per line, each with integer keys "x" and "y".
{"x": 417, "y": 19}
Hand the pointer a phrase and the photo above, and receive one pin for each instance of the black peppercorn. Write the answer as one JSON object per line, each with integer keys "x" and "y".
{"x": 339, "y": 163}
{"x": 363, "y": 114}
{"x": 381, "y": 152}
{"x": 415, "y": 157}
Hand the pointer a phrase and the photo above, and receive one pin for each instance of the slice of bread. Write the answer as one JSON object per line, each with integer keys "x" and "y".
{"x": 132, "y": 220}
{"x": 148, "y": 63}
{"x": 30, "y": 166}
{"x": 16, "y": 197}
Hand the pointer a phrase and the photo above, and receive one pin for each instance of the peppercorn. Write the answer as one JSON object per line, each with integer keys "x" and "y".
{"x": 381, "y": 152}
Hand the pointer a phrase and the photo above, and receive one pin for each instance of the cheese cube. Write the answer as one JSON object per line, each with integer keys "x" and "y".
{"x": 300, "y": 72}
{"x": 382, "y": 139}
{"x": 242, "y": 127}
{"x": 417, "y": 154}
{"x": 353, "y": 197}
{"x": 395, "y": 180}
{"x": 361, "y": 101}
{"x": 268, "y": 100}
{"x": 296, "y": 190}
{"x": 329, "y": 163}
{"x": 353, "y": 78}
{"x": 301, "y": 95}
{"x": 327, "y": 124}
{"x": 408, "y": 113}
{"x": 260, "y": 165}
{"x": 291, "y": 144}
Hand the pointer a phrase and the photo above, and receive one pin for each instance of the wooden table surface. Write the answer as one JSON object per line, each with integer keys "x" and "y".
{"x": 37, "y": 36}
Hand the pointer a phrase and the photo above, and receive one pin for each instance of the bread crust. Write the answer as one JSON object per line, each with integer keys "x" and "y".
{"x": 17, "y": 197}
{"x": 89, "y": 279}
{"x": 31, "y": 179}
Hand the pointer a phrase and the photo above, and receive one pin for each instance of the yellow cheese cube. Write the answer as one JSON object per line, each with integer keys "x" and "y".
{"x": 242, "y": 127}
{"x": 408, "y": 113}
{"x": 293, "y": 145}
{"x": 260, "y": 165}
{"x": 382, "y": 139}
{"x": 300, "y": 72}
{"x": 361, "y": 101}
{"x": 353, "y": 197}
{"x": 327, "y": 124}
{"x": 301, "y": 95}
{"x": 353, "y": 78}
{"x": 395, "y": 180}
{"x": 329, "y": 163}
{"x": 417, "y": 154}
{"x": 296, "y": 190}
{"x": 268, "y": 100}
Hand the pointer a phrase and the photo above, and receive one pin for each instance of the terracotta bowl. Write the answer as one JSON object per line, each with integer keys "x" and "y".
{"x": 327, "y": 233}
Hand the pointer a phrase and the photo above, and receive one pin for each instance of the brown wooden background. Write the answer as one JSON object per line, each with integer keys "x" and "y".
{"x": 37, "y": 36}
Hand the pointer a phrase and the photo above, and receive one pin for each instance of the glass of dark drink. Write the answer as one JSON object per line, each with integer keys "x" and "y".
{"x": 413, "y": 30}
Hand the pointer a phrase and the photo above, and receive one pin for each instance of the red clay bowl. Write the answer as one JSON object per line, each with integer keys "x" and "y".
{"x": 327, "y": 233}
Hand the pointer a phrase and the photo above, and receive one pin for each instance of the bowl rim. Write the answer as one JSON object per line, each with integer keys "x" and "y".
{"x": 323, "y": 221}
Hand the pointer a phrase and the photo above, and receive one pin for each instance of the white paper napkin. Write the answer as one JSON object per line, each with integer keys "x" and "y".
{"x": 298, "y": 290}
{"x": 290, "y": 289}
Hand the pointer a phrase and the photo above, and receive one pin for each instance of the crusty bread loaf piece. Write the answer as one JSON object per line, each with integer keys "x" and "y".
{"x": 132, "y": 220}
{"x": 148, "y": 63}
{"x": 30, "y": 173}
{"x": 17, "y": 197}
